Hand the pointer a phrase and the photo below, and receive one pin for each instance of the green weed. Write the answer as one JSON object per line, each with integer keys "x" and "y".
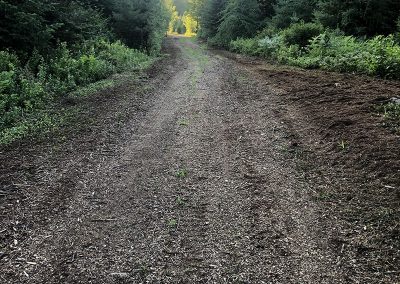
{"x": 391, "y": 113}
{"x": 343, "y": 145}
{"x": 172, "y": 223}
{"x": 324, "y": 196}
{"x": 180, "y": 201}
{"x": 182, "y": 173}
{"x": 183, "y": 122}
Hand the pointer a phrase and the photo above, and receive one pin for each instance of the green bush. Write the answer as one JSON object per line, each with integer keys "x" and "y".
{"x": 280, "y": 45}
{"x": 120, "y": 56}
{"x": 24, "y": 90}
{"x": 19, "y": 92}
{"x": 268, "y": 32}
{"x": 384, "y": 59}
{"x": 95, "y": 60}
{"x": 301, "y": 33}
{"x": 246, "y": 46}
{"x": 269, "y": 46}
{"x": 379, "y": 56}
{"x": 8, "y": 61}
{"x": 90, "y": 69}
{"x": 61, "y": 71}
{"x": 330, "y": 50}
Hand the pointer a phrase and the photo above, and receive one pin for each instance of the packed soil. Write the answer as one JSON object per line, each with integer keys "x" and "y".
{"x": 209, "y": 168}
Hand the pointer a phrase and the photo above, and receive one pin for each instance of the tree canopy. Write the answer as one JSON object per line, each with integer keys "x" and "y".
{"x": 39, "y": 24}
{"x": 223, "y": 19}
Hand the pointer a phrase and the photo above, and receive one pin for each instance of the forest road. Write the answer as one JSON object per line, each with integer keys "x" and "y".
{"x": 199, "y": 184}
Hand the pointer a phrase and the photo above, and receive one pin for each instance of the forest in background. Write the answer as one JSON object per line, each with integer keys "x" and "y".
{"x": 348, "y": 36}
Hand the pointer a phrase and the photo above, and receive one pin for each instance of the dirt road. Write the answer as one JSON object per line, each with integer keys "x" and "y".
{"x": 211, "y": 169}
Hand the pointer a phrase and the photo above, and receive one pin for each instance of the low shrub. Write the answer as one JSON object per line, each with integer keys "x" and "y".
{"x": 246, "y": 46}
{"x": 379, "y": 56}
{"x": 121, "y": 57}
{"x": 19, "y": 92}
{"x": 266, "y": 47}
{"x": 270, "y": 45}
{"x": 30, "y": 87}
{"x": 330, "y": 50}
{"x": 301, "y": 33}
{"x": 268, "y": 32}
{"x": 90, "y": 69}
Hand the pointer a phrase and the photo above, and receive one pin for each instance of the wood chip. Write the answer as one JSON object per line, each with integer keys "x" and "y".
{"x": 103, "y": 220}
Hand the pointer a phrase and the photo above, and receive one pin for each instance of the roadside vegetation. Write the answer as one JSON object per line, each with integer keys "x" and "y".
{"x": 334, "y": 35}
{"x": 51, "y": 48}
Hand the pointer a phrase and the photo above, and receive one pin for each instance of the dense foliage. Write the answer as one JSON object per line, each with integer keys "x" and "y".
{"x": 41, "y": 24}
{"x": 51, "y": 47}
{"x": 239, "y": 18}
{"x": 185, "y": 19}
{"x": 210, "y": 17}
{"x": 362, "y": 17}
{"x": 339, "y": 35}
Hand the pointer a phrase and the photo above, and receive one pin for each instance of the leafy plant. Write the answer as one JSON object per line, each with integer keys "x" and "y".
{"x": 180, "y": 201}
{"x": 172, "y": 223}
{"x": 246, "y": 46}
{"x": 343, "y": 145}
{"x": 391, "y": 113}
{"x": 300, "y": 33}
{"x": 182, "y": 173}
{"x": 183, "y": 122}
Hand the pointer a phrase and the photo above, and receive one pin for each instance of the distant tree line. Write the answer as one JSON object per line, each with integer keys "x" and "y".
{"x": 26, "y": 25}
{"x": 226, "y": 20}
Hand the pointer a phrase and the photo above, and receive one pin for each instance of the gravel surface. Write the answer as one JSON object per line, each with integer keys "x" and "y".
{"x": 210, "y": 168}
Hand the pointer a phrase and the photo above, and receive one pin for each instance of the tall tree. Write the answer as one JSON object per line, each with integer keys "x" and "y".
{"x": 360, "y": 17}
{"x": 181, "y": 6}
{"x": 141, "y": 23}
{"x": 195, "y": 8}
{"x": 24, "y": 25}
{"x": 239, "y": 19}
{"x": 173, "y": 16}
{"x": 292, "y": 11}
{"x": 267, "y": 8}
{"x": 210, "y": 17}
{"x": 190, "y": 23}
{"x": 39, "y": 24}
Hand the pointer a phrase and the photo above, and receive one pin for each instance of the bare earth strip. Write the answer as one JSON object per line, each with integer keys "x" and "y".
{"x": 202, "y": 180}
